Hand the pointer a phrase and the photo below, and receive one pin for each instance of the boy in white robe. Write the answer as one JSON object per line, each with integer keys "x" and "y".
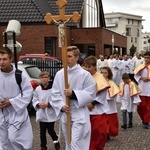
{"x": 81, "y": 91}
{"x": 98, "y": 108}
{"x": 128, "y": 97}
{"x": 15, "y": 127}
{"x": 45, "y": 114}
{"x": 142, "y": 76}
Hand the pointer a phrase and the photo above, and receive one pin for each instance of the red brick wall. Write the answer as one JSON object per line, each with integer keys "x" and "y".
{"x": 32, "y": 38}
{"x": 98, "y": 37}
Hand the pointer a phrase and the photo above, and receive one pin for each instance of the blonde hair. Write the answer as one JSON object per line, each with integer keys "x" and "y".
{"x": 44, "y": 73}
{"x": 75, "y": 50}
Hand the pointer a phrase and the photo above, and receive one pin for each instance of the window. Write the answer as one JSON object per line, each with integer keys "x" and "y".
{"x": 50, "y": 45}
{"x": 128, "y": 31}
{"x": 138, "y": 32}
{"x": 131, "y": 39}
{"x": 144, "y": 42}
{"x": 145, "y": 48}
{"x": 33, "y": 72}
{"x": 128, "y": 21}
{"x": 135, "y": 40}
{"x": 92, "y": 13}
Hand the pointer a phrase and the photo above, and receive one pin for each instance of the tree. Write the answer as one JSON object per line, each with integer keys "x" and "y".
{"x": 132, "y": 50}
{"x": 115, "y": 51}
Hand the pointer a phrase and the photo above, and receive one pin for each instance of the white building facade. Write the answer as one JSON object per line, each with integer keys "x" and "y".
{"x": 128, "y": 25}
{"x": 145, "y": 42}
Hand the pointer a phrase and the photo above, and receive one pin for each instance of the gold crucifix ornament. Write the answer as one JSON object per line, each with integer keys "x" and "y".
{"x": 61, "y": 21}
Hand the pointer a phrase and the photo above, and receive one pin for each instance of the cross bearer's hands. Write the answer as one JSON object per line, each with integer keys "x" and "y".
{"x": 65, "y": 109}
{"x": 68, "y": 92}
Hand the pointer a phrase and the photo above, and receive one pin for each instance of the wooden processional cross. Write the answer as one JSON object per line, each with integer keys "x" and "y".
{"x": 61, "y": 21}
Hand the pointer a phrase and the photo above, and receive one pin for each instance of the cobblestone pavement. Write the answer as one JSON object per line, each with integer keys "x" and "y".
{"x": 136, "y": 138}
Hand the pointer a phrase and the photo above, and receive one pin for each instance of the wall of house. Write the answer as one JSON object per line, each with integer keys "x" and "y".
{"x": 32, "y": 38}
{"x": 99, "y": 37}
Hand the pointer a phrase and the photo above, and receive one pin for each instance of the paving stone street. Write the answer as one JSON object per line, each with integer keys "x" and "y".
{"x": 136, "y": 138}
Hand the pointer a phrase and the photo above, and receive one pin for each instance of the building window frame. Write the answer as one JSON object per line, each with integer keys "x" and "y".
{"x": 131, "y": 39}
{"x": 92, "y": 13}
{"x": 50, "y": 45}
{"x": 128, "y": 31}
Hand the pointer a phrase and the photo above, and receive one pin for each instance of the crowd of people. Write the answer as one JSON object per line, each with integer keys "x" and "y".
{"x": 93, "y": 91}
{"x": 127, "y": 77}
{"x": 120, "y": 64}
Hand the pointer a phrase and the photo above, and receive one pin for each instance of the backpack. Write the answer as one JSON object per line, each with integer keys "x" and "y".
{"x": 19, "y": 79}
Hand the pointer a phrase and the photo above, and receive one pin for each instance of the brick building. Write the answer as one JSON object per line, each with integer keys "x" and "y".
{"x": 36, "y": 36}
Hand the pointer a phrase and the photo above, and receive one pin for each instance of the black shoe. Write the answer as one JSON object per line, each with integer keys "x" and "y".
{"x": 130, "y": 125}
{"x": 124, "y": 126}
{"x": 57, "y": 146}
{"x": 108, "y": 137}
{"x": 145, "y": 124}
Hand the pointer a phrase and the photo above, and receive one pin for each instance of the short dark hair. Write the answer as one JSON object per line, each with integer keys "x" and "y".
{"x": 91, "y": 60}
{"x": 147, "y": 53}
{"x": 6, "y": 51}
{"x": 125, "y": 76}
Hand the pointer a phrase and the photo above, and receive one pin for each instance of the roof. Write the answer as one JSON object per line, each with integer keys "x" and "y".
{"x": 33, "y": 11}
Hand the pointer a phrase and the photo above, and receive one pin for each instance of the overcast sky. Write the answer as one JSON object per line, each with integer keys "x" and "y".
{"x": 136, "y": 7}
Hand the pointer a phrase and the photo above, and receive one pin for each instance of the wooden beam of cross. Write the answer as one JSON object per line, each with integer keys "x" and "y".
{"x": 62, "y": 16}
{"x": 61, "y": 21}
